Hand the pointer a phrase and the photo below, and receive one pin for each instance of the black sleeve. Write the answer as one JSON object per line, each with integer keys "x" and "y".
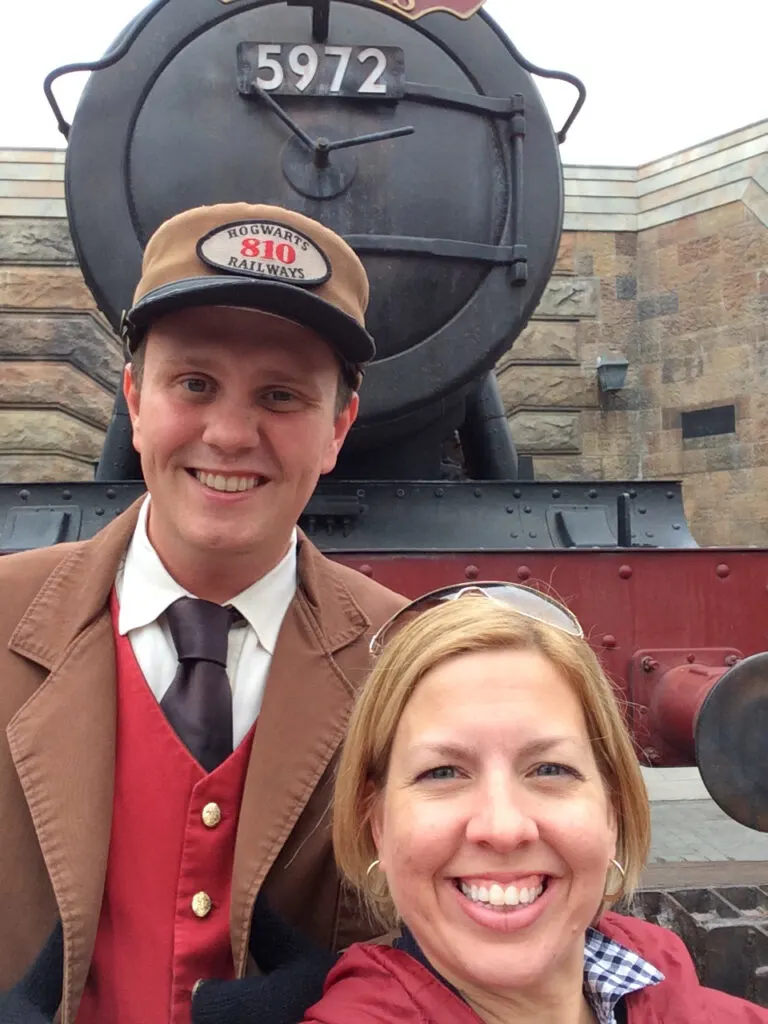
{"x": 36, "y": 998}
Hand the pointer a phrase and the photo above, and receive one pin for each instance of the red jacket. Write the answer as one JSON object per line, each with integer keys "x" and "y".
{"x": 378, "y": 985}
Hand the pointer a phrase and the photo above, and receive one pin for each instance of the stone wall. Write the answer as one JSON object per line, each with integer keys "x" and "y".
{"x": 665, "y": 264}
{"x": 59, "y": 360}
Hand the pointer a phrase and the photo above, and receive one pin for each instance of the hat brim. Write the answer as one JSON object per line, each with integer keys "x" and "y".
{"x": 342, "y": 332}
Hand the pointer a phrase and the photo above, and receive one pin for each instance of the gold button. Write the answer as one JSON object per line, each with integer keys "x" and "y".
{"x": 201, "y": 904}
{"x": 211, "y": 815}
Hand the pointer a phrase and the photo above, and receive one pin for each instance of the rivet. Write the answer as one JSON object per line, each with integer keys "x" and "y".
{"x": 670, "y": 495}
{"x": 690, "y": 658}
{"x": 632, "y": 492}
{"x": 439, "y": 492}
{"x": 366, "y": 570}
{"x": 517, "y": 493}
{"x": 400, "y": 492}
{"x": 642, "y": 511}
{"x": 99, "y": 511}
{"x": 527, "y": 509}
{"x": 556, "y": 493}
{"x": 523, "y": 572}
{"x": 514, "y": 537}
{"x": 609, "y": 640}
{"x": 360, "y": 492}
{"x": 723, "y": 570}
{"x": 111, "y": 492}
{"x": 625, "y": 572}
{"x": 649, "y": 664}
{"x": 731, "y": 660}
{"x": 478, "y": 493}
{"x": 592, "y": 493}
{"x": 24, "y": 494}
{"x": 471, "y": 572}
{"x": 66, "y": 495}
{"x": 510, "y": 508}
{"x": 532, "y": 535}
{"x": 675, "y": 526}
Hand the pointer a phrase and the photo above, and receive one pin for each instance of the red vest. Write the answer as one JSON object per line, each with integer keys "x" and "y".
{"x": 165, "y": 914}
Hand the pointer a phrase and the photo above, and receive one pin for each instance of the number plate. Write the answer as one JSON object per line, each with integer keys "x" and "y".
{"x": 306, "y": 69}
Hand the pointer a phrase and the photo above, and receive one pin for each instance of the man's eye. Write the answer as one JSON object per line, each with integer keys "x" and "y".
{"x": 445, "y": 771}
{"x": 278, "y": 395}
{"x": 197, "y": 385}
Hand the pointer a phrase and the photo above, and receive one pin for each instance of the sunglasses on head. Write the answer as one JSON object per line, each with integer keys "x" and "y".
{"x": 524, "y": 600}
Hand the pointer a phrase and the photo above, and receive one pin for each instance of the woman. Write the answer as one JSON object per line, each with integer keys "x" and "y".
{"x": 490, "y": 803}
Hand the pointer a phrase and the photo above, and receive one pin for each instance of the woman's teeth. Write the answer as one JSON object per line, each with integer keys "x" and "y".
{"x": 501, "y": 895}
{"x": 217, "y": 482}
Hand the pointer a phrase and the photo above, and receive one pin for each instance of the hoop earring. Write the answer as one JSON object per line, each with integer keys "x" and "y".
{"x": 371, "y": 867}
{"x": 620, "y": 891}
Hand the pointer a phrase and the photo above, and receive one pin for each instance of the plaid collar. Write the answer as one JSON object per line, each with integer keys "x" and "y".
{"x": 612, "y": 971}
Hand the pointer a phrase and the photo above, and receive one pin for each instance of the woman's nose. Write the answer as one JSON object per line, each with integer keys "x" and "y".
{"x": 502, "y": 818}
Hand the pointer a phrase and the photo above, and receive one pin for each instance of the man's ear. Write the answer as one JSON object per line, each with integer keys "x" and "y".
{"x": 341, "y": 428}
{"x": 132, "y": 400}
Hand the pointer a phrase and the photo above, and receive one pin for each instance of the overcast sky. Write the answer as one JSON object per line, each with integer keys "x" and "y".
{"x": 661, "y": 75}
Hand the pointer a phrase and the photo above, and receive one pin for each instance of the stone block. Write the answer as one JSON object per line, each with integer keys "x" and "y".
{"x": 536, "y": 432}
{"x": 525, "y": 385}
{"x": 626, "y": 287}
{"x": 569, "y": 297}
{"x": 23, "y": 468}
{"x": 35, "y": 240}
{"x": 710, "y": 222}
{"x": 584, "y": 263}
{"x": 547, "y": 341}
{"x": 39, "y": 431}
{"x": 626, "y": 243}
{"x": 82, "y": 339}
{"x": 698, "y": 249}
{"x": 556, "y": 468}
{"x": 564, "y": 262}
{"x": 657, "y": 305}
{"x": 738, "y": 289}
{"x": 745, "y": 247}
{"x": 24, "y": 287}
{"x": 55, "y": 386}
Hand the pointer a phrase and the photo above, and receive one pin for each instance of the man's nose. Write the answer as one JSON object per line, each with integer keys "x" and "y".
{"x": 231, "y": 426}
{"x": 503, "y": 817}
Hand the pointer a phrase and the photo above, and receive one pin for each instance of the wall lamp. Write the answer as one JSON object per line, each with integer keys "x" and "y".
{"x": 612, "y": 372}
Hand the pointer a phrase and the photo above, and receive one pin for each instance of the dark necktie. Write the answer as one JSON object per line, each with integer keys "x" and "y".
{"x": 199, "y": 702}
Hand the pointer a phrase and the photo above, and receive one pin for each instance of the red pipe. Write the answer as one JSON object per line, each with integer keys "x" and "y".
{"x": 677, "y": 700}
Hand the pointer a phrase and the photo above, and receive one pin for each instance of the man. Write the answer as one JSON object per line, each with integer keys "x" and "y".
{"x": 174, "y": 691}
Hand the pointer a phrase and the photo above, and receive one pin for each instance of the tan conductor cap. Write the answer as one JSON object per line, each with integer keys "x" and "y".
{"x": 258, "y": 257}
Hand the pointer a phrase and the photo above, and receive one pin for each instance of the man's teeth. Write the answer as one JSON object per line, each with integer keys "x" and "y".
{"x": 500, "y": 895}
{"x": 217, "y": 482}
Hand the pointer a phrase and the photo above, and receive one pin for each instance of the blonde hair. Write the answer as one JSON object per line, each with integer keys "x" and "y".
{"x": 461, "y": 627}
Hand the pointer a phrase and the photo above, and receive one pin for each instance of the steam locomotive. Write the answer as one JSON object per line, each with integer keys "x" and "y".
{"x": 413, "y": 128}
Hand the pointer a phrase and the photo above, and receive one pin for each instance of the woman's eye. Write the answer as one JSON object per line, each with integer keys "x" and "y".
{"x": 445, "y": 771}
{"x": 549, "y": 770}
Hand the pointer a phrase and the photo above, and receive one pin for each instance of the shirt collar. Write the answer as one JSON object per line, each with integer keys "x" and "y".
{"x": 612, "y": 971}
{"x": 146, "y": 589}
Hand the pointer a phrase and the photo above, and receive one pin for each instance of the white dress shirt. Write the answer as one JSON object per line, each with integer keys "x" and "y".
{"x": 145, "y": 589}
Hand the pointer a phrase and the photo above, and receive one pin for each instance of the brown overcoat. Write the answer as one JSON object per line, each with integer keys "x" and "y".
{"x": 57, "y": 751}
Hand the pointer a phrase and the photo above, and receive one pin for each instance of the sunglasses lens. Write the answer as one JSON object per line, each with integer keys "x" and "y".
{"x": 526, "y": 601}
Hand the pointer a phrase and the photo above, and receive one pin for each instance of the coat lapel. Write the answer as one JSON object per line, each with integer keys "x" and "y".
{"x": 302, "y": 722}
{"x": 63, "y": 739}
